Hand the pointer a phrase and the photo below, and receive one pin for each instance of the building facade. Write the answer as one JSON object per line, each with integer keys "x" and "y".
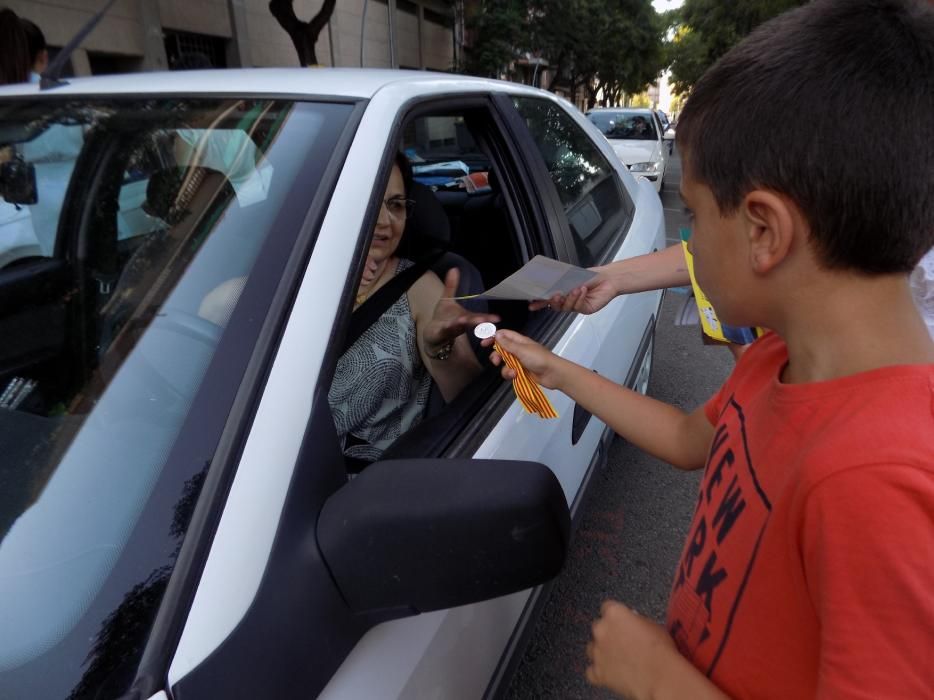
{"x": 140, "y": 35}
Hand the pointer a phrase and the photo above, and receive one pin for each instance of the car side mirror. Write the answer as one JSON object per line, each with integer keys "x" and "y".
{"x": 669, "y": 134}
{"x": 18, "y": 181}
{"x": 415, "y": 535}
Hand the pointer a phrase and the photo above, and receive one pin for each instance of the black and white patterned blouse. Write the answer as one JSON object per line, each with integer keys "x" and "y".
{"x": 381, "y": 387}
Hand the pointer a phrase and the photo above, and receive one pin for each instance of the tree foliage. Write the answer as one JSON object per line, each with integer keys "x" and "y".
{"x": 304, "y": 35}
{"x": 498, "y": 31}
{"x": 604, "y": 46}
{"x": 704, "y": 30}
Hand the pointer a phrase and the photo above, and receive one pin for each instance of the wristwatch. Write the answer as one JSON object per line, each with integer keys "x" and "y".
{"x": 444, "y": 352}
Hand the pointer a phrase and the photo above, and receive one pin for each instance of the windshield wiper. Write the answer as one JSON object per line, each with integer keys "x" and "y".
{"x": 50, "y": 77}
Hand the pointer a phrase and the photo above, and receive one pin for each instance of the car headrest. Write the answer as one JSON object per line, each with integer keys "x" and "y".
{"x": 428, "y": 227}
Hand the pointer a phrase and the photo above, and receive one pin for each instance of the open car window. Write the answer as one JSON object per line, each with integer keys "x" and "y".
{"x": 464, "y": 210}
{"x": 147, "y": 217}
{"x": 597, "y": 207}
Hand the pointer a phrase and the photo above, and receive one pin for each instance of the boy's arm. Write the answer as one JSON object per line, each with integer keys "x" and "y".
{"x": 662, "y": 430}
{"x": 658, "y": 270}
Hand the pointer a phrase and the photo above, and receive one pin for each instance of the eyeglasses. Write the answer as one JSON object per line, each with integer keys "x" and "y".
{"x": 399, "y": 207}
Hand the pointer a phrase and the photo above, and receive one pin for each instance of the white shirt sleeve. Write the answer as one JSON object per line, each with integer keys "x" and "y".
{"x": 922, "y": 288}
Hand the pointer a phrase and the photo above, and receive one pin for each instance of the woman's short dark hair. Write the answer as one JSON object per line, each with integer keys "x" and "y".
{"x": 34, "y": 38}
{"x": 830, "y": 105}
{"x": 406, "y": 169}
{"x": 14, "y": 49}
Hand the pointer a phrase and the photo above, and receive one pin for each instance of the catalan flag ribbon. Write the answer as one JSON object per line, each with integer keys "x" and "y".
{"x": 529, "y": 393}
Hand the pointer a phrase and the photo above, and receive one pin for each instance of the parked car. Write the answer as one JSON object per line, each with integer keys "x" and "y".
{"x": 176, "y": 517}
{"x": 637, "y": 138}
{"x": 667, "y": 129}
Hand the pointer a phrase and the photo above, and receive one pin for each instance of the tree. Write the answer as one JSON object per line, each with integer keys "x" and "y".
{"x": 707, "y": 29}
{"x": 604, "y": 46}
{"x": 304, "y": 35}
{"x": 498, "y": 30}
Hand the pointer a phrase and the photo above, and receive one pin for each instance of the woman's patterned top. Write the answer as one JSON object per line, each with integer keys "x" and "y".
{"x": 381, "y": 387}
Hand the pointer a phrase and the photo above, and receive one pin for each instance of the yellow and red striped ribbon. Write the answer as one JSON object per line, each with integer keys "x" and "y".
{"x": 527, "y": 391}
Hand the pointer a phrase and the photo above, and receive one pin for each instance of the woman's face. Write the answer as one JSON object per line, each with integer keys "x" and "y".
{"x": 391, "y": 220}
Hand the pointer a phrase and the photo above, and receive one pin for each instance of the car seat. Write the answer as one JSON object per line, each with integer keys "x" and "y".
{"x": 428, "y": 232}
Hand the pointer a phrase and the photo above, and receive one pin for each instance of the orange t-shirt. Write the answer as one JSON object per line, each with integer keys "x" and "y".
{"x": 809, "y": 567}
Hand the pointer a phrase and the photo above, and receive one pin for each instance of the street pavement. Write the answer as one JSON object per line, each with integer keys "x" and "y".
{"x": 636, "y": 516}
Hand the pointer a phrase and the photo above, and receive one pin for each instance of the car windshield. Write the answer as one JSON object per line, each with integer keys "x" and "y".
{"x": 129, "y": 230}
{"x": 635, "y": 126}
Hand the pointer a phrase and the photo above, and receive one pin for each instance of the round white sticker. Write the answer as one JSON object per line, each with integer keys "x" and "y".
{"x": 485, "y": 330}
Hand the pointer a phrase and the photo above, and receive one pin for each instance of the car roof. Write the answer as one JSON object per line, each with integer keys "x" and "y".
{"x": 630, "y": 110}
{"x": 337, "y": 82}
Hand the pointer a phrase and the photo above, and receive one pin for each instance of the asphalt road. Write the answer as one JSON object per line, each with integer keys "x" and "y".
{"x": 637, "y": 514}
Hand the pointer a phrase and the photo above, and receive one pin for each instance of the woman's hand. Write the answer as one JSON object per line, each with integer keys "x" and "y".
{"x": 541, "y": 364}
{"x": 450, "y": 319}
{"x": 586, "y": 299}
{"x": 629, "y": 654}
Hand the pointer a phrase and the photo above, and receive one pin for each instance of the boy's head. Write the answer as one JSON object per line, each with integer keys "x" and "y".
{"x": 828, "y": 105}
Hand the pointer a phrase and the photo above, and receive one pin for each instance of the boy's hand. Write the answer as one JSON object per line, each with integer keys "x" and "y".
{"x": 539, "y": 362}
{"x": 629, "y": 654}
{"x": 586, "y": 299}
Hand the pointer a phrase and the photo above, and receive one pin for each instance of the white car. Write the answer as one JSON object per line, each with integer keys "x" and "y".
{"x": 638, "y": 139}
{"x": 176, "y": 518}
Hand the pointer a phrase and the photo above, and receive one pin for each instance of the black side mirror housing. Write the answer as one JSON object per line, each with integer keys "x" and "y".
{"x": 18, "y": 181}
{"x": 411, "y": 536}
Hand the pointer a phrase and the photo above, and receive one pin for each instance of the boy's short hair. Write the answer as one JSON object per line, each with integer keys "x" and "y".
{"x": 830, "y": 104}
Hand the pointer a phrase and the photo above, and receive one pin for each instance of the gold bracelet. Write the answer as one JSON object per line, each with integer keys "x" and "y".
{"x": 444, "y": 352}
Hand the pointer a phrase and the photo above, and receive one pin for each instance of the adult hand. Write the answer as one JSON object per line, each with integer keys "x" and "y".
{"x": 450, "y": 319}
{"x": 586, "y": 299}
{"x": 629, "y": 654}
{"x": 539, "y": 362}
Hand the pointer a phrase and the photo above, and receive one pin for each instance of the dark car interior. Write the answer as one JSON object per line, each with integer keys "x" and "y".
{"x": 461, "y": 208}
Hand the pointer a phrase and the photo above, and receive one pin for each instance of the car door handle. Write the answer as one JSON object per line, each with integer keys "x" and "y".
{"x": 579, "y": 421}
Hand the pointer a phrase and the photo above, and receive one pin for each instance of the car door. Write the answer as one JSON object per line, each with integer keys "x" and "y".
{"x": 40, "y": 294}
{"x": 266, "y": 610}
{"x": 467, "y": 652}
{"x": 604, "y": 215}
{"x": 267, "y": 619}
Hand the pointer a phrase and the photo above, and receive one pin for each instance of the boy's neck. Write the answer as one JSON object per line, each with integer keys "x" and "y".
{"x": 853, "y": 324}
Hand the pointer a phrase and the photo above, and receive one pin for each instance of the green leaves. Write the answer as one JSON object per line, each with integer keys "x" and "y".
{"x": 613, "y": 45}
{"x": 704, "y": 30}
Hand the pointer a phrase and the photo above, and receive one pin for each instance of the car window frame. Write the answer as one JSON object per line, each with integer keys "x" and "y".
{"x": 608, "y": 250}
{"x": 527, "y": 185}
{"x": 533, "y": 221}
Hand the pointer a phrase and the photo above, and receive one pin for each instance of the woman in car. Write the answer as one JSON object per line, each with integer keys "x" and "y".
{"x": 382, "y": 382}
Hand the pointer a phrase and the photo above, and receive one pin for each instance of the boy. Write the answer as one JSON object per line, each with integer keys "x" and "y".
{"x": 809, "y": 567}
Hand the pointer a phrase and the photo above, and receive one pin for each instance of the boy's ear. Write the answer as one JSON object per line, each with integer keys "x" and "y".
{"x": 771, "y": 222}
